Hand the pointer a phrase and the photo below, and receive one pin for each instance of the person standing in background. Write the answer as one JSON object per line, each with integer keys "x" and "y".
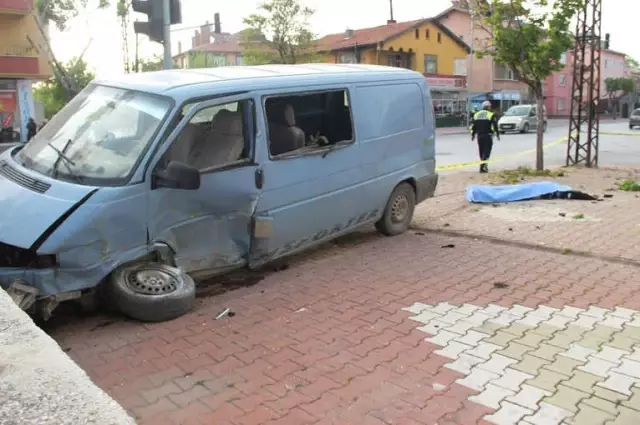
{"x": 32, "y": 129}
{"x": 484, "y": 125}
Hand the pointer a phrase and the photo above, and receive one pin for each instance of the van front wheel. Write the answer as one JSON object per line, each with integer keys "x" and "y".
{"x": 151, "y": 292}
{"x": 398, "y": 212}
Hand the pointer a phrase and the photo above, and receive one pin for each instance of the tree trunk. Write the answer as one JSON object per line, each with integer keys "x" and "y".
{"x": 539, "y": 128}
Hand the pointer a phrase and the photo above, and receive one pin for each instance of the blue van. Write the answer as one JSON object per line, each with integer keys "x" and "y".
{"x": 144, "y": 183}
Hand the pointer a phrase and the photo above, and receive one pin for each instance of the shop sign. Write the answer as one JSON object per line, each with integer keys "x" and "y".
{"x": 8, "y": 101}
{"x": 452, "y": 83}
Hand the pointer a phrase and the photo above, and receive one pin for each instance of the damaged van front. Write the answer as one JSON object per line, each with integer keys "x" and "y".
{"x": 73, "y": 206}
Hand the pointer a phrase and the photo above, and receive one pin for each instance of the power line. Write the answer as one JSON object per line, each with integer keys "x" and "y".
{"x": 195, "y": 27}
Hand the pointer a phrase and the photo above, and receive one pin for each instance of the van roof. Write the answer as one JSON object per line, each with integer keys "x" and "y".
{"x": 170, "y": 82}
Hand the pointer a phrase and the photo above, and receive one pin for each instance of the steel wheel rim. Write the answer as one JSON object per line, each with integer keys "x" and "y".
{"x": 399, "y": 209}
{"x": 151, "y": 280}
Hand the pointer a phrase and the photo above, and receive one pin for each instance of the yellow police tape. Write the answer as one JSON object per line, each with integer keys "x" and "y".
{"x": 515, "y": 155}
{"x": 496, "y": 159}
{"x": 611, "y": 133}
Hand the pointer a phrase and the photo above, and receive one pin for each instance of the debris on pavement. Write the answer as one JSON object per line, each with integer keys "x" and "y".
{"x": 448, "y": 246}
{"x": 225, "y": 313}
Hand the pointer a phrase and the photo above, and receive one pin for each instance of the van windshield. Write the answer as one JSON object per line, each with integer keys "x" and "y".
{"x": 517, "y": 111}
{"x": 98, "y": 137}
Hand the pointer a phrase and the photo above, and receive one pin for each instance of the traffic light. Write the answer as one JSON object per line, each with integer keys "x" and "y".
{"x": 153, "y": 28}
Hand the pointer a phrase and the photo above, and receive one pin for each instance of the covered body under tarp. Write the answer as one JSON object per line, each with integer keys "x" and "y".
{"x": 522, "y": 192}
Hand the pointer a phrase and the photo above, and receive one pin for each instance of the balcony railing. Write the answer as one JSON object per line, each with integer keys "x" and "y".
{"x": 18, "y": 50}
{"x": 16, "y": 6}
{"x": 19, "y": 59}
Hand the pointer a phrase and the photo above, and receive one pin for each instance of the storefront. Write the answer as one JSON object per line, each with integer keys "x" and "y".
{"x": 449, "y": 97}
{"x": 16, "y": 107}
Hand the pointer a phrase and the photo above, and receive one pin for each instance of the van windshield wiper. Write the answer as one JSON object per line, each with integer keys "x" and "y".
{"x": 68, "y": 162}
{"x": 62, "y": 155}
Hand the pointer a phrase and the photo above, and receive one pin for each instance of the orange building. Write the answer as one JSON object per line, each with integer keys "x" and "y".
{"x": 21, "y": 63}
{"x": 424, "y": 45}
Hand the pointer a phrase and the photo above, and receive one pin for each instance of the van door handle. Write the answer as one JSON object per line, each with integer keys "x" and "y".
{"x": 259, "y": 178}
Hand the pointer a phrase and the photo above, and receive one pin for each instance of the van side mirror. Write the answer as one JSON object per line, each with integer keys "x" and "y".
{"x": 177, "y": 175}
{"x": 532, "y": 113}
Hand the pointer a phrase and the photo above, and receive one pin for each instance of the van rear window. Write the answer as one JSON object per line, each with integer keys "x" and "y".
{"x": 390, "y": 109}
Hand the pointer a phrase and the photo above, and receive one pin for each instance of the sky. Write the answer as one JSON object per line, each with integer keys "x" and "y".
{"x": 98, "y": 31}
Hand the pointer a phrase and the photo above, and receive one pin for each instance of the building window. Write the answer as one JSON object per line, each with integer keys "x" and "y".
{"x": 347, "y": 58}
{"x": 560, "y": 104}
{"x": 503, "y": 72}
{"x": 439, "y": 38}
{"x": 427, "y": 35}
{"x": 417, "y": 33}
{"x": 460, "y": 66}
{"x": 563, "y": 59}
{"x": 563, "y": 80}
{"x": 430, "y": 64}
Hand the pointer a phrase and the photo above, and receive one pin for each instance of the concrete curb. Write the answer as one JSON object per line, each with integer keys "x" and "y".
{"x": 40, "y": 384}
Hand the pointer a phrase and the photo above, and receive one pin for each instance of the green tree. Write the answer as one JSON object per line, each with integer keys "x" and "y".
{"x": 59, "y": 12}
{"x": 612, "y": 86}
{"x": 529, "y": 37}
{"x": 627, "y": 85}
{"x": 53, "y": 95}
{"x": 279, "y": 33}
{"x": 154, "y": 63}
{"x": 632, "y": 63}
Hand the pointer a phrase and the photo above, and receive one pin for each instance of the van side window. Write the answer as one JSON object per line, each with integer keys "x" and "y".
{"x": 214, "y": 137}
{"x": 308, "y": 122}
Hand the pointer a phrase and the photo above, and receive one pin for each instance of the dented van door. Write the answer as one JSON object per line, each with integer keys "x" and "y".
{"x": 208, "y": 228}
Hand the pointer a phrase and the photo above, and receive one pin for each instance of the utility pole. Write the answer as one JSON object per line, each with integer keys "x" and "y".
{"x": 161, "y": 14}
{"x": 586, "y": 84}
{"x": 166, "y": 33}
{"x": 137, "y": 64}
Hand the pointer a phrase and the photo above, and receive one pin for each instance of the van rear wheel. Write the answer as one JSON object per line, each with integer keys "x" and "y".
{"x": 151, "y": 292}
{"x": 398, "y": 212}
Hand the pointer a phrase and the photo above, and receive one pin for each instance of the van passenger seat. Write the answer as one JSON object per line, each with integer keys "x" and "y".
{"x": 223, "y": 144}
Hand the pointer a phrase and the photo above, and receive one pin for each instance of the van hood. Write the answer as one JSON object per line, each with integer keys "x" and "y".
{"x": 25, "y": 214}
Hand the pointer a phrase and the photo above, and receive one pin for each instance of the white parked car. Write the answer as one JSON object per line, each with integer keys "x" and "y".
{"x": 522, "y": 118}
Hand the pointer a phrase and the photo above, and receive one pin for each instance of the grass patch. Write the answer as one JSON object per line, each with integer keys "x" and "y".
{"x": 578, "y": 216}
{"x": 522, "y": 173}
{"x": 629, "y": 186}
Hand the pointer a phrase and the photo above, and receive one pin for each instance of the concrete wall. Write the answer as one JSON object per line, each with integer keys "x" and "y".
{"x": 39, "y": 384}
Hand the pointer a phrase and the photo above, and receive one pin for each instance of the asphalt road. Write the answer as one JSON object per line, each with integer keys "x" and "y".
{"x": 614, "y": 150}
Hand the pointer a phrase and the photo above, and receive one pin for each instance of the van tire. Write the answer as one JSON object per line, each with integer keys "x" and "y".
{"x": 398, "y": 212}
{"x": 525, "y": 128}
{"x": 165, "y": 293}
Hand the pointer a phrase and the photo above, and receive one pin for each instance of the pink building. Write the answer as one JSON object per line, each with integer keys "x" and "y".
{"x": 486, "y": 77}
{"x": 558, "y": 84}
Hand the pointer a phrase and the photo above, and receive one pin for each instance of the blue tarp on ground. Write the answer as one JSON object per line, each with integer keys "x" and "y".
{"x": 513, "y": 192}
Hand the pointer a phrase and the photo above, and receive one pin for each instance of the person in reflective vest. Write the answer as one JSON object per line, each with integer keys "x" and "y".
{"x": 484, "y": 125}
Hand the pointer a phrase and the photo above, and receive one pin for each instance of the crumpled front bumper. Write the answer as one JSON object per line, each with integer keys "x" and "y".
{"x": 40, "y": 279}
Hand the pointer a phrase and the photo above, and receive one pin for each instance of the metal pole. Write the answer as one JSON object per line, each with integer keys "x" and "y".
{"x": 470, "y": 70}
{"x": 137, "y": 64}
{"x": 166, "y": 33}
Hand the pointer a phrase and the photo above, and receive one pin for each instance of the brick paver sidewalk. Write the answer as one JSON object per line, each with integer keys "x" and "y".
{"x": 602, "y": 228}
{"x": 424, "y": 328}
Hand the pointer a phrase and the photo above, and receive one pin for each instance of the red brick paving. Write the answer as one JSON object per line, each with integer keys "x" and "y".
{"x": 324, "y": 341}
